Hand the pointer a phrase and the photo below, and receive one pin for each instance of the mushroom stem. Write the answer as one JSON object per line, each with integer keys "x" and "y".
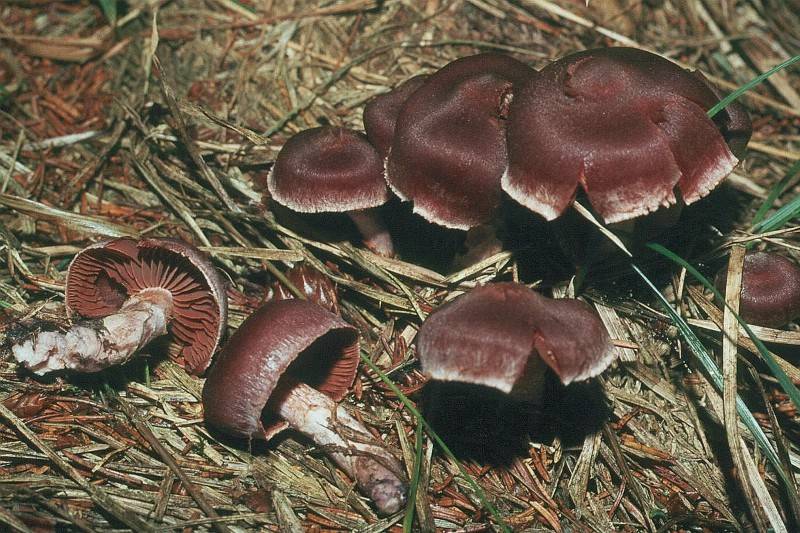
{"x": 373, "y": 231}
{"x": 315, "y": 415}
{"x": 90, "y": 346}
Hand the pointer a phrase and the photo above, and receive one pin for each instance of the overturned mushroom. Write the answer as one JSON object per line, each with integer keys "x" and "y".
{"x": 504, "y": 335}
{"x": 315, "y": 286}
{"x": 287, "y": 366}
{"x": 626, "y": 125}
{"x": 770, "y": 289}
{"x": 448, "y": 151}
{"x": 333, "y": 170}
{"x": 139, "y": 290}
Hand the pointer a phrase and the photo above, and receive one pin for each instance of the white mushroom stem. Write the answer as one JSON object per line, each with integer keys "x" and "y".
{"x": 350, "y": 444}
{"x": 373, "y": 231}
{"x": 90, "y": 346}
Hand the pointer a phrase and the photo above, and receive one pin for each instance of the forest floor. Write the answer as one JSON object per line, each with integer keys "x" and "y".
{"x": 161, "y": 118}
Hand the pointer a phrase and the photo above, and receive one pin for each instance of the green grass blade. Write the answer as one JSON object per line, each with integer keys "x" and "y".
{"x": 440, "y": 443}
{"x": 722, "y": 104}
{"x": 774, "y": 193}
{"x": 783, "y": 215}
{"x": 716, "y": 379}
{"x": 784, "y": 381}
{"x": 408, "y": 519}
{"x": 109, "y": 8}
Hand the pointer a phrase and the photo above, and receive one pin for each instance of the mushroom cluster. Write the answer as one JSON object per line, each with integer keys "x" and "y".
{"x": 626, "y": 126}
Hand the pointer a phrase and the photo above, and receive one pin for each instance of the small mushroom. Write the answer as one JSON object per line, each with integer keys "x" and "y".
{"x": 449, "y": 150}
{"x": 333, "y": 170}
{"x": 140, "y": 290}
{"x": 287, "y": 366}
{"x": 770, "y": 289}
{"x": 626, "y": 125}
{"x": 380, "y": 113}
{"x": 504, "y": 335}
{"x": 315, "y": 286}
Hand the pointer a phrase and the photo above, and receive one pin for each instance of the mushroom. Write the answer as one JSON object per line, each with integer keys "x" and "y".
{"x": 287, "y": 366}
{"x": 333, "y": 170}
{"x": 315, "y": 285}
{"x": 449, "y": 150}
{"x": 504, "y": 336}
{"x": 140, "y": 290}
{"x": 627, "y": 125}
{"x": 380, "y": 113}
{"x": 770, "y": 289}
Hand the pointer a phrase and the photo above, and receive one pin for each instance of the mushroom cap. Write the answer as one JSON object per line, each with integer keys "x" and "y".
{"x": 627, "y": 125}
{"x": 770, "y": 289}
{"x": 312, "y": 344}
{"x": 380, "y": 113}
{"x": 328, "y": 170}
{"x": 733, "y": 121}
{"x": 449, "y": 151}
{"x": 316, "y": 286}
{"x": 488, "y": 336}
{"x": 104, "y": 275}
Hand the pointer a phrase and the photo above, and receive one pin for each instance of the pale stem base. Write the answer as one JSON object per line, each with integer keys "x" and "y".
{"x": 374, "y": 469}
{"x": 373, "y": 231}
{"x": 91, "y": 346}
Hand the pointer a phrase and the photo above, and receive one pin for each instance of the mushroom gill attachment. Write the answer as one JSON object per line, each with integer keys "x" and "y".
{"x": 499, "y": 335}
{"x": 141, "y": 290}
{"x": 627, "y": 125}
{"x": 381, "y": 111}
{"x": 449, "y": 149}
{"x": 333, "y": 170}
{"x": 770, "y": 289}
{"x": 287, "y": 366}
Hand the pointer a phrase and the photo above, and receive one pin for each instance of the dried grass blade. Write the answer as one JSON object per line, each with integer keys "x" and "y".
{"x": 98, "y": 495}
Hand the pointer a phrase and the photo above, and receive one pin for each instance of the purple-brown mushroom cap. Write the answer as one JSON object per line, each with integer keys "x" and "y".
{"x": 328, "y": 170}
{"x": 292, "y": 337}
{"x": 626, "y": 125}
{"x": 770, "y": 289}
{"x": 380, "y": 113}
{"x": 104, "y": 275}
{"x": 490, "y": 335}
{"x": 448, "y": 152}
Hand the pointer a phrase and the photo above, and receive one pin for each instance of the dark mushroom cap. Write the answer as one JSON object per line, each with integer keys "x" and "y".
{"x": 328, "y": 170}
{"x": 449, "y": 152}
{"x": 770, "y": 289}
{"x": 488, "y": 336}
{"x": 104, "y": 275}
{"x": 292, "y": 337}
{"x": 380, "y": 113}
{"x": 315, "y": 285}
{"x": 627, "y": 125}
{"x": 733, "y": 121}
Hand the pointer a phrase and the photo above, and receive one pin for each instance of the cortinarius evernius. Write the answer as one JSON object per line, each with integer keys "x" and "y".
{"x": 141, "y": 290}
{"x": 626, "y": 125}
{"x": 502, "y": 335}
{"x": 380, "y": 113}
{"x": 286, "y": 366}
{"x": 770, "y": 289}
{"x": 333, "y": 170}
{"x": 449, "y": 150}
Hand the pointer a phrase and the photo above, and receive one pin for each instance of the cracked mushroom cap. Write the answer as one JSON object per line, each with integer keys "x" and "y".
{"x": 104, "y": 275}
{"x": 284, "y": 337}
{"x": 490, "y": 335}
{"x": 328, "y": 170}
{"x": 770, "y": 289}
{"x": 380, "y": 113}
{"x": 449, "y": 149}
{"x": 627, "y": 125}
